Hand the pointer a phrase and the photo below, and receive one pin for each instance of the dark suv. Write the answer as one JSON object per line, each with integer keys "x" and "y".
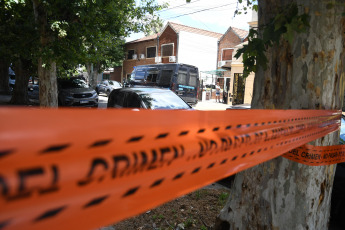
{"x": 76, "y": 92}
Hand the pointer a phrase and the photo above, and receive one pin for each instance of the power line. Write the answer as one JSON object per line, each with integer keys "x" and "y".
{"x": 200, "y": 11}
{"x": 177, "y": 6}
{"x": 203, "y": 24}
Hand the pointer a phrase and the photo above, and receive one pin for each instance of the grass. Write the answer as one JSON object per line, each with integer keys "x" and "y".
{"x": 223, "y": 198}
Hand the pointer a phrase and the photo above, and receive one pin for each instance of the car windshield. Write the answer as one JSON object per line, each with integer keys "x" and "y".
{"x": 163, "y": 100}
{"x": 114, "y": 83}
{"x": 73, "y": 83}
{"x": 139, "y": 75}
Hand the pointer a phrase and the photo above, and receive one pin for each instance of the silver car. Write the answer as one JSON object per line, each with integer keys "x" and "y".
{"x": 76, "y": 92}
{"x": 146, "y": 98}
{"x": 107, "y": 86}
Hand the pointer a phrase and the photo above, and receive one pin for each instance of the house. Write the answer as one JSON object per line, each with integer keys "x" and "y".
{"x": 213, "y": 53}
{"x": 176, "y": 43}
{"x": 142, "y": 51}
{"x": 238, "y": 90}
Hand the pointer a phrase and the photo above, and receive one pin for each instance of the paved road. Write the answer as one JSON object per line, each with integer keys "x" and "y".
{"x": 206, "y": 105}
{"x": 103, "y": 100}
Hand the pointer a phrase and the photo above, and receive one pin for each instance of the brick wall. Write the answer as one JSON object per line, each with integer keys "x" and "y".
{"x": 168, "y": 36}
{"x": 230, "y": 40}
{"x": 139, "y": 48}
{"x": 116, "y": 75}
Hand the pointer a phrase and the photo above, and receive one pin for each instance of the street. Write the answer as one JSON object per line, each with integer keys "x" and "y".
{"x": 204, "y": 105}
{"x": 102, "y": 101}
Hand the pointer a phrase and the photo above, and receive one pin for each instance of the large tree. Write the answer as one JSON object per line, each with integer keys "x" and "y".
{"x": 69, "y": 33}
{"x": 67, "y": 27}
{"x": 18, "y": 43}
{"x": 304, "y": 71}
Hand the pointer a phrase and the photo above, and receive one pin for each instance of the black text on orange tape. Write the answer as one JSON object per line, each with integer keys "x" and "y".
{"x": 92, "y": 174}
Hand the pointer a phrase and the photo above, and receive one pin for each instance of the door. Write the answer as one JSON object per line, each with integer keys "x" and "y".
{"x": 238, "y": 89}
{"x": 226, "y": 90}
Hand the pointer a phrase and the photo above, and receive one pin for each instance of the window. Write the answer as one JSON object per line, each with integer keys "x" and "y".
{"x": 133, "y": 101}
{"x": 118, "y": 100}
{"x": 151, "y": 52}
{"x": 227, "y": 54}
{"x": 182, "y": 78}
{"x": 130, "y": 54}
{"x": 165, "y": 78}
{"x": 140, "y": 75}
{"x": 193, "y": 79}
{"x": 106, "y": 76}
{"x": 152, "y": 75}
{"x": 168, "y": 50}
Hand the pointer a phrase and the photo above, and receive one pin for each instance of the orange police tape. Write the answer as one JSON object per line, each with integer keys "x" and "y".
{"x": 83, "y": 169}
{"x": 317, "y": 155}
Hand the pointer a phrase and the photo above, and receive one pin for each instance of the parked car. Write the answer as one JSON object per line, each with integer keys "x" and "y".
{"x": 11, "y": 78}
{"x": 74, "y": 91}
{"x": 107, "y": 86}
{"x": 146, "y": 98}
{"x": 211, "y": 86}
{"x": 33, "y": 93}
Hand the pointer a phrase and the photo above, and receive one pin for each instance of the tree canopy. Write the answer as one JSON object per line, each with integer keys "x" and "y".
{"x": 67, "y": 33}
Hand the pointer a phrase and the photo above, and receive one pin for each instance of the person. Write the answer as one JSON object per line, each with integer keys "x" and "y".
{"x": 217, "y": 92}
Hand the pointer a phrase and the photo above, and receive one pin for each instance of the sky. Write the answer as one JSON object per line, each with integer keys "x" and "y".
{"x": 214, "y": 15}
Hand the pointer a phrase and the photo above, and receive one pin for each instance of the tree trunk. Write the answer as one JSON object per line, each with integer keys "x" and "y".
{"x": 89, "y": 69}
{"x": 92, "y": 72}
{"x": 46, "y": 69}
{"x": 308, "y": 74}
{"x": 47, "y": 85}
{"x": 20, "y": 91}
{"x": 4, "y": 81}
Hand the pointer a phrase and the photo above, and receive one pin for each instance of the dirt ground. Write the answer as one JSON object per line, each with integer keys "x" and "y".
{"x": 197, "y": 210}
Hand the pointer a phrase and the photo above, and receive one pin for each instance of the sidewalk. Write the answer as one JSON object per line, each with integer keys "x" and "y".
{"x": 5, "y": 99}
{"x": 210, "y": 105}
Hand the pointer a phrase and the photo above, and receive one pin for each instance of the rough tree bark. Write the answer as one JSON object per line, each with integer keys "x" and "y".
{"x": 20, "y": 91}
{"x": 307, "y": 74}
{"x": 4, "y": 81}
{"x": 92, "y": 72}
{"x": 46, "y": 69}
{"x": 48, "y": 85}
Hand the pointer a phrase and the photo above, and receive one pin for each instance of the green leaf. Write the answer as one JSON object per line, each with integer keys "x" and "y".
{"x": 330, "y": 6}
{"x": 289, "y": 33}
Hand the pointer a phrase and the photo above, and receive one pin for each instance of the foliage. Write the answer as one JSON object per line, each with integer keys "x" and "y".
{"x": 282, "y": 26}
{"x": 76, "y": 32}
{"x": 154, "y": 27}
{"x": 250, "y": 5}
{"x": 18, "y": 39}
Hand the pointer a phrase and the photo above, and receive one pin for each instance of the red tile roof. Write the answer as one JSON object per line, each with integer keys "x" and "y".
{"x": 150, "y": 37}
{"x": 179, "y": 27}
{"x": 241, "y": 33}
